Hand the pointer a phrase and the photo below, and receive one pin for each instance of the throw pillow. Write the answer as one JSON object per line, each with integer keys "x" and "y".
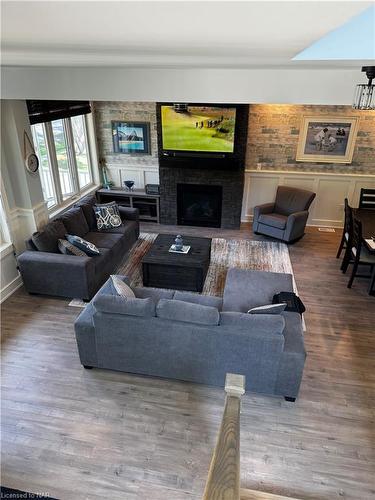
{"x": 122, "y": 288}
{"x": 107, "y": 216}
{"x": 268, "y": 309}
{"x": 46, "y": 240}
{"x": 85, "y": 246}
{"x": 87, "y": 204}
{"x": 68, "y": 249}
{"x": 75, "y": 221}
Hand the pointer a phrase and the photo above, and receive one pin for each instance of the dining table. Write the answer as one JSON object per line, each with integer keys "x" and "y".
{"x": 367, "y": 218}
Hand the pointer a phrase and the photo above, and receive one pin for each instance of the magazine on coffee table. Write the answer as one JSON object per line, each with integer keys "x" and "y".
{"x": 185, "y": 249}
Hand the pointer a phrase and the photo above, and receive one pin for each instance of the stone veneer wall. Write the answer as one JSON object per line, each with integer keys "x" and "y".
{"x": 274, "y": 132}
{"x": 107, "y": 111}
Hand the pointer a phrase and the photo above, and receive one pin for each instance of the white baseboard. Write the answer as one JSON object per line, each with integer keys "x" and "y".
{"x": 10, "y": 288}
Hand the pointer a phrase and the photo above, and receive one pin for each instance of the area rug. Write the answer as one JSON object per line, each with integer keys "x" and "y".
{"x": 245, "y": 254}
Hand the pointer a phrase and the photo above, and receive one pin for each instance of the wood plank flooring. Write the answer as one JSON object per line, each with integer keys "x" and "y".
{"x": 78, "y": 434}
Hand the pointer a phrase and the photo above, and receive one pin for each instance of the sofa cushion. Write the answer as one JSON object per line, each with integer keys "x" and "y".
{"x": 87, "y": 204}
{"x": 84, "y": 245}
{"x": 66, "y": 248}
{"x": 177, "y": 310}
{"x": 103, "y": 239}
{"x": 268, "y": 309}
{"x": 122, "y": 288}
{"x": 274, "y": 220}
{"x": 195, "y": 298}
{"x": 75, "y": 222}
{"x": 245, "y": 288}
{"x": 154, "y": 294}
{"x": 114, "y": 304}
{"x": 46, "y": 240}
{"x": 262, "y": 323}
{"x": 107, "y": 216}
{"x": 127, "y": 228}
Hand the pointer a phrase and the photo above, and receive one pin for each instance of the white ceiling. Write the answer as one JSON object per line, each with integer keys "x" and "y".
{"x": 168, "y": 34}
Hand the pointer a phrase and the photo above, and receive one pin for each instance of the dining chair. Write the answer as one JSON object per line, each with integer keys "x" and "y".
{"x": 360, "y": 255}
{"x": 348, "y": 227}
{"x": 367, "y": 198}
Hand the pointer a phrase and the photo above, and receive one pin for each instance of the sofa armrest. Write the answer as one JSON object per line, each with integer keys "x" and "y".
{"x": 57, "y": 274}
{"x": 295, "y": 225}
{"x": 266, "y": 208}
{"x": 127, "y": 213}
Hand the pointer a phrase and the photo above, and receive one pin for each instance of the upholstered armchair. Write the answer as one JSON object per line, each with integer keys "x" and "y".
{"x": 285, "y": 218}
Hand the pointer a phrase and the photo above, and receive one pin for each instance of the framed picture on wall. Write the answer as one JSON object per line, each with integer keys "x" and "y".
{"x": 131, "y": 137}
{"x": 327, "y": 139}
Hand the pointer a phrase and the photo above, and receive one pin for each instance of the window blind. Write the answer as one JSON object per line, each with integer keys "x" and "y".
{"x": 47, "y": 111}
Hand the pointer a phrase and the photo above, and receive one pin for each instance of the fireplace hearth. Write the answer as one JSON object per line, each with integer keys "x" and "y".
{"x": 199, "y": 205}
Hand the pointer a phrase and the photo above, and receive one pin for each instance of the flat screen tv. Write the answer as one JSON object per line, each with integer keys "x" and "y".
{"x": 198, "y": 128}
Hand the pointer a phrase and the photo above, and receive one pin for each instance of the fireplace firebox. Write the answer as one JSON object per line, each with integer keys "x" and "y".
{"x": 199, "y": 205}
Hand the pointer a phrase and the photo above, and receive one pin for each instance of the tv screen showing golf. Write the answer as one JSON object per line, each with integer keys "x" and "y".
{"x": 207, "y": 129}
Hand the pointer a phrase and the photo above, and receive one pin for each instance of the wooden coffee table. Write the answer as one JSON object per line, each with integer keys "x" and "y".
{"x": 163, "y": 269}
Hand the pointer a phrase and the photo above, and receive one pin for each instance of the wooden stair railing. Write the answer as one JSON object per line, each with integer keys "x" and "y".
{"x": 223, "y": 482}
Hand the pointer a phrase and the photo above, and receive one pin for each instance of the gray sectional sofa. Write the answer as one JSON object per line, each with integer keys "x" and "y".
{"x": 47, "y": 271}
{"x": 197, "y": 338}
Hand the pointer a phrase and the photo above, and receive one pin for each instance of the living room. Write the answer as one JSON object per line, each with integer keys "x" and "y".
{"x": 187, "y": 228}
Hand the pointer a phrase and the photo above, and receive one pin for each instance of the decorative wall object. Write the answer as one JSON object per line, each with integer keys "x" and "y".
{"x": 328, "y": 139}
{"x": 143, "y": 169}
{"x": 131, "y": 137}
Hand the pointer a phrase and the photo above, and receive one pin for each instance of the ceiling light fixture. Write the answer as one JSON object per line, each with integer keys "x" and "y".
{"x": 364, "y": 97}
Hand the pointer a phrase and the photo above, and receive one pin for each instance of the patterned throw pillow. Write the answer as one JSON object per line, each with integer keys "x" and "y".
{"x": 107, "y": 216}
{"x": 85, "y": 246}
{"x": 67, "y": 248}
{"x": 268, "y": 309}
{"x": 122, "y": 288}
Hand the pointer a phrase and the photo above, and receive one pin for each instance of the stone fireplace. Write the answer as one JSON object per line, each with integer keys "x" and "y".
{"x": 230, "y": 183}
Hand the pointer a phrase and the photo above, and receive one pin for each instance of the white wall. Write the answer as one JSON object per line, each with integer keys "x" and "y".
{"x": 10, "y": 278}
{"x": 294, "y": 86}
{"x": 26, "y": 210}
{"x": 331, "y": 189}
{"x": 23, "y": 206}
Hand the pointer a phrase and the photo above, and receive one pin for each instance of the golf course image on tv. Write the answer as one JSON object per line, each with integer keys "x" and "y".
{"x": 207, "y": 129}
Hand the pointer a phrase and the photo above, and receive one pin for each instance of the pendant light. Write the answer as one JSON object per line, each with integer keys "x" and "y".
{"x": 364, "y": 97}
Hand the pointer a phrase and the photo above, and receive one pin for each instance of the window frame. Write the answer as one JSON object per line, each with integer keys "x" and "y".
{"x": 72, "y": 163}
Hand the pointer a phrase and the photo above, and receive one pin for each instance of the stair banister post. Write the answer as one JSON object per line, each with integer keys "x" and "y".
{"x": 223, "y": 481}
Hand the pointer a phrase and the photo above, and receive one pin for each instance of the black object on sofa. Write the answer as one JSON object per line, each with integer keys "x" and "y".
{"x": 46, "y": 271}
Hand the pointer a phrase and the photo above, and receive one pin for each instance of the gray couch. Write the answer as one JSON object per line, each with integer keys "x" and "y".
{"x": 45, "y": 270}
{"x": 286, "y": 217}
{"x": 197, "y": 338}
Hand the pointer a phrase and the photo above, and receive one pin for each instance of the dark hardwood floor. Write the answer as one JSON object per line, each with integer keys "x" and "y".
{"x": 95, "y": 434}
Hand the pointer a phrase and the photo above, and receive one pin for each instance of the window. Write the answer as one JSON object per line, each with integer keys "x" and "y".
{"x": 63, "y": 151}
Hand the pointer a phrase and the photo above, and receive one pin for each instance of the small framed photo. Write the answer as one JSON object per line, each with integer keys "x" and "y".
{"x": 131, "y": 137}
{"x": 327, "y": 139}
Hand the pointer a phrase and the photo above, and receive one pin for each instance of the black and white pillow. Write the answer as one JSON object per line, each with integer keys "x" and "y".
{"x": 107, "y": 216}
{"x": 68, "y": 248}
{"x": 85, "y": 246}
{"x": 268, "y": 309}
